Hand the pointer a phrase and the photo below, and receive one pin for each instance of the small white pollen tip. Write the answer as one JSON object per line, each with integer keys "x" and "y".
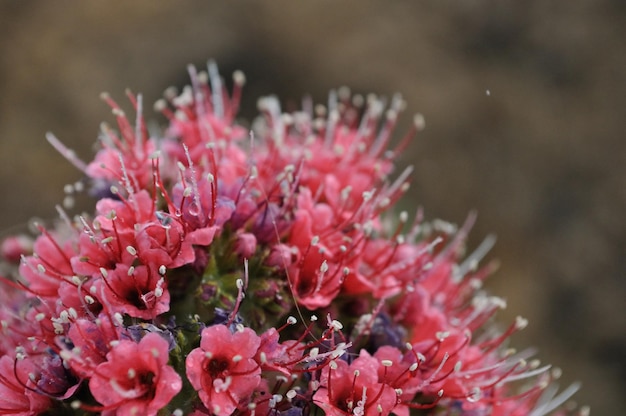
{"x": 239, "y": 77}
{"x": 160, "y": 105}
{"x": 419, "y": 121}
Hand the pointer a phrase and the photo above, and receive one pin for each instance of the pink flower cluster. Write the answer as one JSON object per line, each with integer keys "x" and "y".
{"x": 255, "y": 272}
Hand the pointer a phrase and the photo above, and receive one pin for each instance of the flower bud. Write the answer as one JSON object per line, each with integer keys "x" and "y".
{"x": 245, "y": 245}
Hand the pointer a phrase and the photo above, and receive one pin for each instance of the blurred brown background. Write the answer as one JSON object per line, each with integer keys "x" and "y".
{"x": 542, "y": 156}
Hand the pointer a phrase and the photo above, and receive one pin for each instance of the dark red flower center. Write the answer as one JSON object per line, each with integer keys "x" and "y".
{"x": 147, "y": 379}
{"x": 216, "y": 367}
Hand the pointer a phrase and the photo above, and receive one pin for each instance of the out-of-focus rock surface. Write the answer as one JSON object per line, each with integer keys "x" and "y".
{"x": 525, "y": 106}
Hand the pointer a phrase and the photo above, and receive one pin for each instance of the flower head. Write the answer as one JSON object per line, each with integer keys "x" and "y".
{"x": 222, "y": 276}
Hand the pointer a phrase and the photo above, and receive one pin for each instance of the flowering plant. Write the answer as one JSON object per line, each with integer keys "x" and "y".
{"x": 226, "y": 272}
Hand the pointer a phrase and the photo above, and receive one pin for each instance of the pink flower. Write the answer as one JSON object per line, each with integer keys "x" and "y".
{"x": 92, "y": 342}
{"x": 354, "y": 389}
{"x": 275, "y": 356}
{"x": 138, "y": 231}
{"x": 223, "y": 370}
{"x": 49, "y": 266}
{"x": 124, "y": 159}
{"x": 318, "y": 274}
{"x": 135, "y": 379}
{"x": 14, "y": 247}
{"x": 245, "y": 245}
{"x": 18, "y": 394}
{"x": 396, "y": 372}
{"x": 137, "y": 291}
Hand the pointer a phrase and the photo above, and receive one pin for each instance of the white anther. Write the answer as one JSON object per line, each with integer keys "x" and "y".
{"x": 254, "y": 172}
{"x": 441, "y": 335}
{"x": 419, "y": 122}
{"x": 345, "y": 192}
{"x": 118, "y": 318}
{"x": 336, "y": 325}
{"x": 314, "y": 352}
{"x": 64, "y": 316}
{"x": 239, "y": 78}
{"x": 159, "y": 105}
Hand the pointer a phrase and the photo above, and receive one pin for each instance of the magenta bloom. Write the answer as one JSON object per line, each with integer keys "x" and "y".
{"x": 223, "y": 370}
{"x": 137, "y": 291}
{"x": 354, "y": 389}
{"x": 135, "y": 379}
{"x": 18, "y": 395}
